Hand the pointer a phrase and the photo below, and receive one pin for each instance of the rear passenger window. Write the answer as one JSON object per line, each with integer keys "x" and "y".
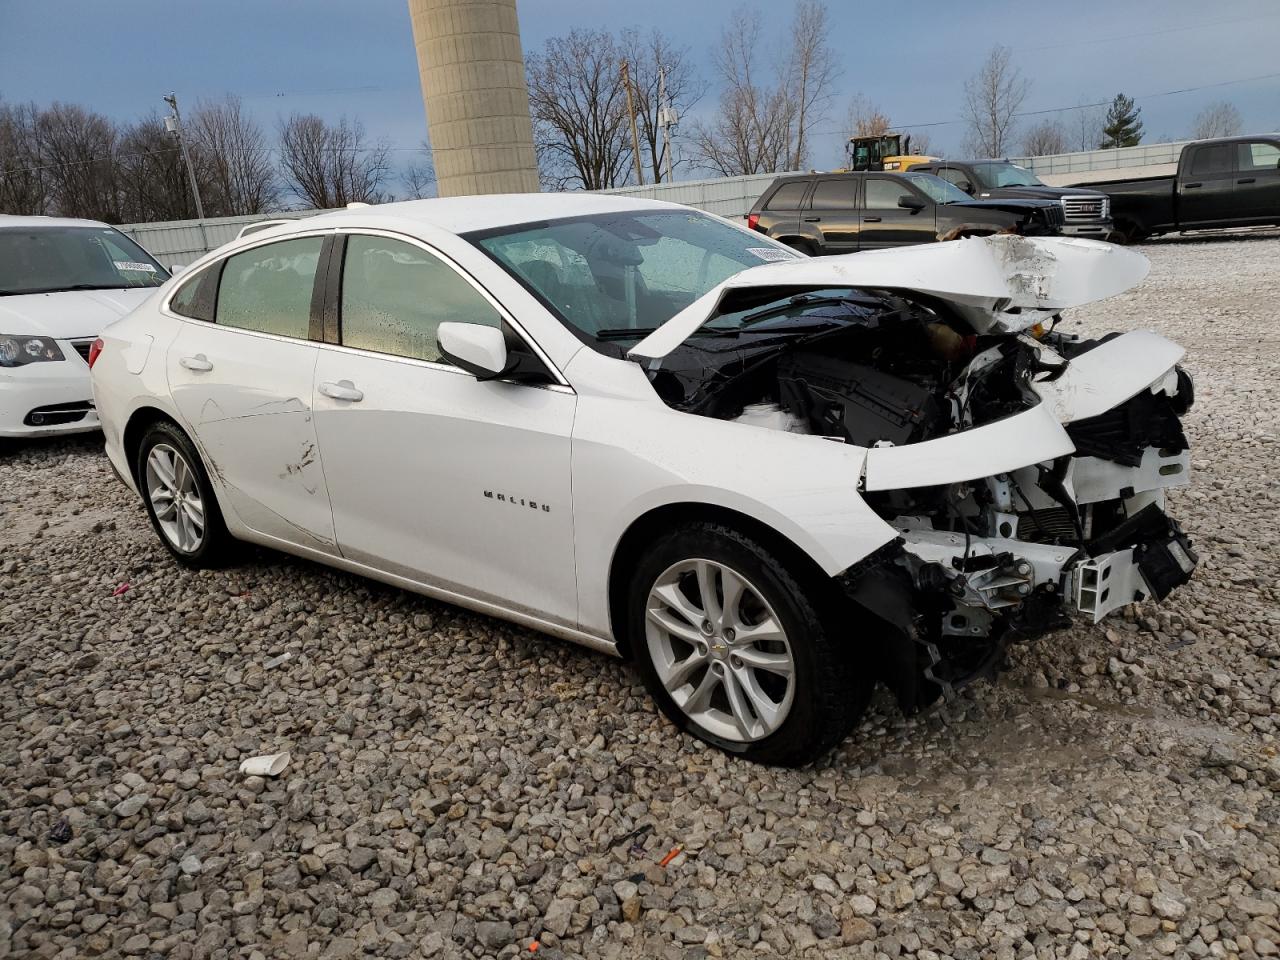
{"x": 1215, "y": 159}
{"x": 788, "y": 196}
{"x": 268, "y": 289}
{"x": 395, "y": 296}
{"x": 1258, "y": 156}
{"x": 835, "y": 195}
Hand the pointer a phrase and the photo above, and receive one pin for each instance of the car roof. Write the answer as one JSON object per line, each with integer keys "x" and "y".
{"x": 13, "y": 220}
{"x": 465, "y": 214}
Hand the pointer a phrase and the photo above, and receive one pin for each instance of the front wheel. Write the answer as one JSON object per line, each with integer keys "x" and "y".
{"x": 736, "y": 651}
{"x": 179, "y": 498}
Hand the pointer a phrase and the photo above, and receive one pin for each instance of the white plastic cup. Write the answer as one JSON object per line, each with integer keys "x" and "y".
{"x": 269, "y": 765}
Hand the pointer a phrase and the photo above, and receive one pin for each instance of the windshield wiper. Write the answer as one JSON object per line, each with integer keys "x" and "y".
{"x": 626, "y": 333}
{"x": 799, "y": 300}
{"x": 79, "y": 286}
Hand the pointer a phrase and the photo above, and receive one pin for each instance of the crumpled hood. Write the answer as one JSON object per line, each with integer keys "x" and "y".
{"x": 982, "y": 277}
{"x": 70, "y": 314}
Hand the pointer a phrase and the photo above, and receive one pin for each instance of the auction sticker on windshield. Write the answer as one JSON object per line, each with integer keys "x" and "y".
{"x": 131, "y": 265}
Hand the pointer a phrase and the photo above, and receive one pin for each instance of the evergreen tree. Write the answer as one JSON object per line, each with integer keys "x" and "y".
{"x": 1123, "y": 128}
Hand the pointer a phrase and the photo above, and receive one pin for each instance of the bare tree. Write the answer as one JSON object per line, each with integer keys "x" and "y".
{"x": 865, "y": 119}
{"x": 648, "y": 54}
{"x": 813, "y": 69}
{"x": 78, "y": 148}
{"x": 24, "y": 182}
{"x": 1220, "y": 119}
{"x": 1086, "y": 128}
{"x": 921, "y": 143}
{"x": 579, "y": 108}
{"x": 150, "y": 176}
{"x": 751, "y": 130}
{"x": 419, "y": 178}
{"x": 232, "y": 152}
{"x": 331, "y": 166}
{"x": 992, "y": 97}
{"x": 1046, "y": 137}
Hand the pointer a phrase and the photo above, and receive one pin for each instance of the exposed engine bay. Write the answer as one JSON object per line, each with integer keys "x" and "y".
{"x": 983, "y": 561}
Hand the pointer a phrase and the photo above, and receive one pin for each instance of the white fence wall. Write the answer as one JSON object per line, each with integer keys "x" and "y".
{"x": 181, "y": 241}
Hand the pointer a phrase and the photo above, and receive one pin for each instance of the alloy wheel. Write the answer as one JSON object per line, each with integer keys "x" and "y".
{"x": 719, "y": 650}
{"x": 175, "y": 497}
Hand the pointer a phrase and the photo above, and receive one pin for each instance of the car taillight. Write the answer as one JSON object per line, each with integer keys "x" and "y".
{"x": 753, "y": 221}
{"x": 94, "y": 351}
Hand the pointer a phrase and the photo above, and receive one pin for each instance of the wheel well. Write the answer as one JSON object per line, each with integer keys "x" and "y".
{"x": 799, "y": 243}
{"x": 138, "y": 423}
{"x": 644, "y": 530}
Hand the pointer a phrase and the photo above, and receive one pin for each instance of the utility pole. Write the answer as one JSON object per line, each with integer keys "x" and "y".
{"x": 635, "y": 136}
{"x": 173, "y": 123}
{"x": 667, "y": 118}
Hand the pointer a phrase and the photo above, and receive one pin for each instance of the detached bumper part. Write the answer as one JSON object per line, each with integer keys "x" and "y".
{"x": 1152, "y": 568}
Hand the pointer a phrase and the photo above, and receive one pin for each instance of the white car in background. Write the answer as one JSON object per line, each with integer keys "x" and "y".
{"x": 61, "y": 282}
{"x": 771, "y": 481}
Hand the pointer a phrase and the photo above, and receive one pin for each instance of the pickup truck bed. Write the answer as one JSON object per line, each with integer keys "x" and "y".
{"x": 1232, "y": 182}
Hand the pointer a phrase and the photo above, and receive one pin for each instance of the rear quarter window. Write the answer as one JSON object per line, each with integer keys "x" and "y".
{"x": 196, "y": 296}
{"x": 788, "y": 196}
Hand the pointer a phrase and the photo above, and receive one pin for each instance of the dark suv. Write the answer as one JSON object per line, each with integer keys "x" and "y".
{"x": 820, "y": 213}
{"x": 1087, "y": 212}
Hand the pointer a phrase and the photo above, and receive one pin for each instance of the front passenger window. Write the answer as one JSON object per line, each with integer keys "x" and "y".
{"x": 268, "y": 289}
{"x": 395, "y": 296}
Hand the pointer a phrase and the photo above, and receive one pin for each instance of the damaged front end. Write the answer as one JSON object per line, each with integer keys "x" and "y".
{"x": 1024, "y": 470}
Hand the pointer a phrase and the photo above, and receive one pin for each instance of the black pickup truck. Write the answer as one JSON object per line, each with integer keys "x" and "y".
{"x": 1233, "y": 182}
{"x": 822, "y": 213}
{"x": 1085, "y": 210}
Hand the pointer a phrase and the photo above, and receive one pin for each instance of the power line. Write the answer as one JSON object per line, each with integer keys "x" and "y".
{"x": 1151, "y": 33}
{"x": 1103, "y": 103}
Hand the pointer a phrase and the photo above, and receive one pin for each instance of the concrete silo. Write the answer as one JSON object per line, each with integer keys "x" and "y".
{"x": 472, "y": 70}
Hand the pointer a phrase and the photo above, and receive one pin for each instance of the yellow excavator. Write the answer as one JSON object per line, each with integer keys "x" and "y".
{"x": 888, "y": 151}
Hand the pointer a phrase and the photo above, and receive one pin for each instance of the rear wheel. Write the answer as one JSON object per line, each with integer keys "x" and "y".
{"x": 801, "y": 246}
{"x": 179, "y": 498}
{"x": 737, "y": 652}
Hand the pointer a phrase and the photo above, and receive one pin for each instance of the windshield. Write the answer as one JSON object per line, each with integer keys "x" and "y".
{"x": 993, "y": 175}
{"x": 619, "y": 276}
{"x": 53, "y": 259}
{"x": 939, "y": 190}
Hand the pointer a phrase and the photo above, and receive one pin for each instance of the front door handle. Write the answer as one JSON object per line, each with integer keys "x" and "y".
{"x": 1190, "y": 186}
{"x": 812, "y": 219}
{"x": 870, "y": 219}
{"x": 199, "y": 363}
{"x": 342, "y": 390}
{"x": 1247, "y": 180}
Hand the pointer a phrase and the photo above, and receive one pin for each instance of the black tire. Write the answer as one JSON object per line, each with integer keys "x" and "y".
{"x": 832, "y": 684}
{"x": 801, "y": 246}
{"x": 215, "y": 546}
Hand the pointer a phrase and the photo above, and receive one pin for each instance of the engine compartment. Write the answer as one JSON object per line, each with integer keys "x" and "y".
{"x": 983, "y": 562}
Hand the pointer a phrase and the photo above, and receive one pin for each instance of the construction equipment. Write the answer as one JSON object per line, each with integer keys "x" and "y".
{"x": 888, "y": 151}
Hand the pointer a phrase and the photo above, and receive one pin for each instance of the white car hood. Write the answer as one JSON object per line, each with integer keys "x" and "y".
{"x": 71, "y": 314}
{"x": 982, "y": 277}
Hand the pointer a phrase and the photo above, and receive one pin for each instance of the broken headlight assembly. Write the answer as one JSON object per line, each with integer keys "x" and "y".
{"x": 17, "y": 350}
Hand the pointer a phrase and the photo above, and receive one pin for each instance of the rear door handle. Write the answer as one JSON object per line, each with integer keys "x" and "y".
{"x": 200, "y": 363}
{"x": 870, "y": 219}
{"x": 1247, "y": 180}
{"x": 342, "y": 390}
{"x": 812, "y": 219}
{"x": 1190, "y": 186}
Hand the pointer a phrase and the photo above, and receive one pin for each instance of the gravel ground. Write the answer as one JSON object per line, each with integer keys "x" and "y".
{"x": 461, "y": 786}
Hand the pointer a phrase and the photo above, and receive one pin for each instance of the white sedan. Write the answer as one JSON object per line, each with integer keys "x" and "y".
{"x": 61, "y": 282}
{"x": 771, "y": 481}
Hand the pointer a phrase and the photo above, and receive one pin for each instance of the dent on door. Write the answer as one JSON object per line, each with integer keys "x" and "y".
{"x": 250, "y": 411}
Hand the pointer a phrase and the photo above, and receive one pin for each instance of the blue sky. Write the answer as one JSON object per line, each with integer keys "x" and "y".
{"x": 356, "y": 57}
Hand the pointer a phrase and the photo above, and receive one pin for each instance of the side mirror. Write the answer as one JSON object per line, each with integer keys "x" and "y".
{"x": 966, "y": 186}
{"x": 908, "y": 202}
{"x": 477, "y": 348}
